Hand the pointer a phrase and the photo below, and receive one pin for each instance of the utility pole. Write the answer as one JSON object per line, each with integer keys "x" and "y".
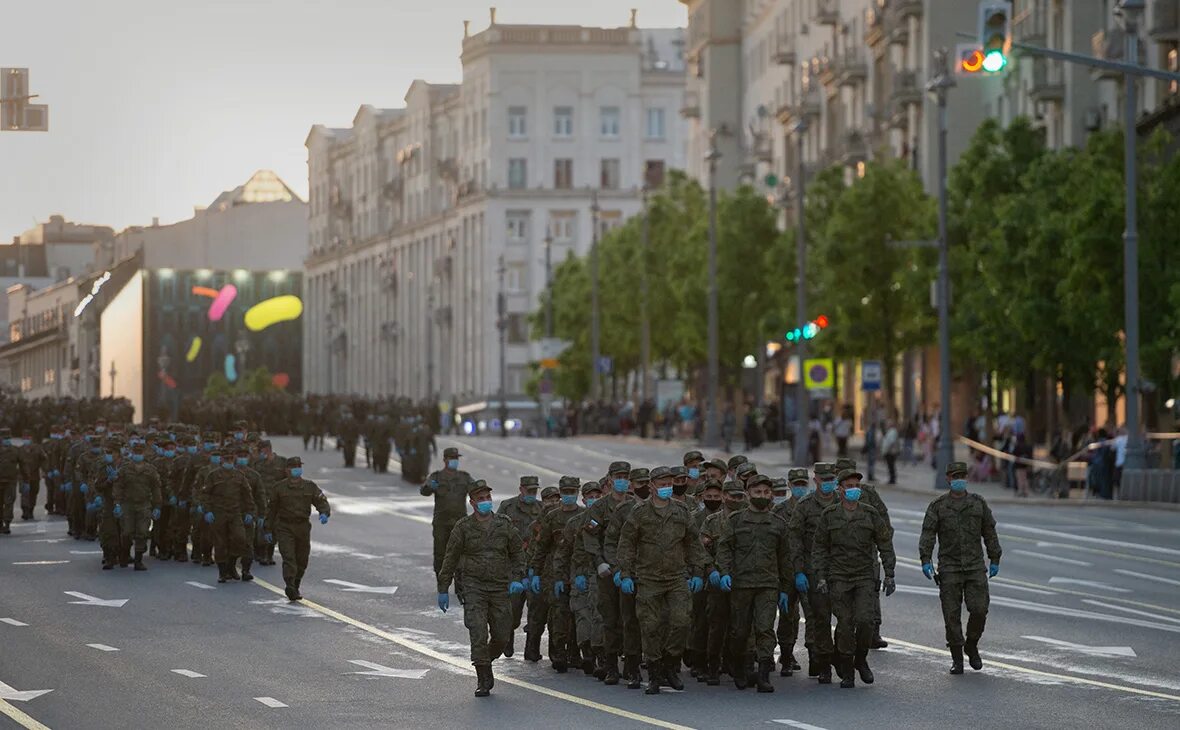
{"x": 430, "y": 339}
{"x": 802, "y": 397}
{"x": 113, "y": 373}
{"x": 644, "y": 321}
{"x": 939, "y": 86}
{"x": 595, "y": 355}
{"x": 547, "y": 373}
{"x": 712, "y": 430}
{"x": 502, "y": 325}
{"x": 1136, "y": 457}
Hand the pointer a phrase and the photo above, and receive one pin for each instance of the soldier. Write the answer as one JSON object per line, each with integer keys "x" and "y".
{"x": 181, "y": 513}
{"x": 734, "y": 462}
{"x": 54, "y": 452}
{"x": 249, "y": 521}
{"x": 10, "y": 475}
{"x": 661, "y": 550}
{"x": 490, "y": 549}
{"x": 846, "y": 538}
{"x": 600, "y": 516}
{"x": 871, "y": 497}
{"x": 165, "y": 463}
{"x": 85, "y": 523}
{"x": 719, "y": 647}
{"x": 103, "y": 503}
{"x": 787, "y": 493}
{"x": 347, "y": 435}
{"x": 641, "y": 481}
{"x": 563, "y": 650}
{"x": 715, "y": 470}
{"x": 538, "y": 600}
{"x": 692, "y": 465}
{"x": 203, "y": 530}
{"x": 753, "y": 557}
{"x": 577, "y": 564}
{"x": 522, "y": 510}
{"x": 958, "y": 521}
{"x": 697, "y": 656}
{"x": 680, "y": 487}
{"x": 449, "y": 487}
{"x": 287, "y": 522}
{"x": 817, "y": 607}
{"x": 229, "y": 507}
{"x": 137, "y": 502}
{"x": 273, "y": 469}
{"x": 32, "y": 458}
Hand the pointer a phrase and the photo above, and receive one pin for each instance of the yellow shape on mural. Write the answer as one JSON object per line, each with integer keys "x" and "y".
{"x": 273, "y": 311}
{"x": 194, "y": 349}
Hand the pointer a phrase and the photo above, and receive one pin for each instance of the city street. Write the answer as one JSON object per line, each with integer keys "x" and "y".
{"x": 1084, "y": 627}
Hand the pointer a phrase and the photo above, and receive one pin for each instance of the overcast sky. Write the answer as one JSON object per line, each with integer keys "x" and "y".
{"x": 158, "y": 105}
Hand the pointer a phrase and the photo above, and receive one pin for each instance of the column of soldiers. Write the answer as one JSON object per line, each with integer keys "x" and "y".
{"x": 692, "y": 566}
{"x": 156, "y": 491}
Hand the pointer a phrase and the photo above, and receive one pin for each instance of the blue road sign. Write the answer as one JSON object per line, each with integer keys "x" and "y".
{"x": 870, "y": 375}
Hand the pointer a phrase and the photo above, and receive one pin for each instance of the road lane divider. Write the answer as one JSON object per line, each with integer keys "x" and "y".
{"x": 20, "y": 717}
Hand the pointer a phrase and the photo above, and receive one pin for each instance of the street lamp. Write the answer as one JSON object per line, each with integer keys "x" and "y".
{"x": 645, "y": 322}
{"x": 802, "y": 397}
{"x": 712, "y": 432}
{"x": 502, "y": 325}
{"x": 595, "y": 355}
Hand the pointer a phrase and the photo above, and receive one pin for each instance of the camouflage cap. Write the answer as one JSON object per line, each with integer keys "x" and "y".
{"x": 451, "y": 452}
{"x": 548, "y": 492}
{"x": 733, "y": 488}
{"x": 639, "y": 475}
{"x": 796, "y": 476}
{"x": 253, "y": 436}
{"x": 735, "y": 461}
{"x": 718, "y": 464}
{"x": 477, "y": 486}
{"x": 114, "y": 444}
{"x": 711, "y": 484}
{"x": 759, "y": 479}
{"x": 264, "y": 443}
{"x": 530, "y": 481}
{"x": 619, "y": 467}
{"x": 678, "y": 472}
{"x": 779, "y": 484}
{"x": 591, "y": 487}
{"x": 692, "y": 456}
{"x": 956, "y": 469}
{"x": 848, "y": 474}
{"x": 824, "y": 469}
{"x": 845, "y": 463}
{"x": 568, "y": 482}
{"x": 138, "y": 446}
{"x": 294, "y": 461}
{"x": 746, "y": 469}
{"x": 660, "y": 472}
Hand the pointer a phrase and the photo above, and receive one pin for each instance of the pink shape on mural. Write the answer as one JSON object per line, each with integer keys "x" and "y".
{"x": 224, "y": 298}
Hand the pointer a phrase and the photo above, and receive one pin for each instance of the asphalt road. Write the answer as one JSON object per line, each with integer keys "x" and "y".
{"x": 1084, "y": 628}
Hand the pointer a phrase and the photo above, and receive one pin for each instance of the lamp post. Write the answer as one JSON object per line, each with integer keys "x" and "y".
{"x": 644, "y": 320}
{"x": 595, "y": 355}
{"x": 1136, "y": 458}
{"x": 502, "y": 325}
{"x": 547, "y": 373}
{"x": 802, "y": 397}
{"x": 712, "y": 432}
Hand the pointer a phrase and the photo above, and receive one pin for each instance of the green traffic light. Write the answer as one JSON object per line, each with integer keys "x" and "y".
{"x": 994, "y": 61}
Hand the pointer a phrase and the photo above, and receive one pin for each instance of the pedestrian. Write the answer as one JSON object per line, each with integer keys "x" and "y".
{"x": 842, "y": 430}
{"x": 544, "y": 578}
{"x": 891, "y": 448}
{"x": 288, "y": 524}
{"x": 229, "y": 509}
{"x": 959, "y": 521}
{"x": 489, "y": 548}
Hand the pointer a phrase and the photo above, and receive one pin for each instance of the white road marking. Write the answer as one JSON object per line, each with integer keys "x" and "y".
{"x": 187, "y": 673}
{"x": 349, "y": 587}
{"x": 198, "y": 584}
{"x": 799, "y": 725}
{"x": 993, "y": 585}
{"x": 49, "y": 539}
{"x": 1095, "y": 540}
{"x": 12, "y": 622}
{"x": 92, "y": 601}
{"x": 102, "y": 647}
{"x": 7, "y": 692}
{"x": 1054, "y": 558}
{"x": 270, "y": 702}
{"x": 1148, "y": 576}
{"x": 42, "y": 562}
{"x": 1098, "y": 651}
{"x": 85, "y": 552}
{"x": 1088, "y": 584}
{"x": 377, "y": 670}
{"x": 365, "y": 556}
{"x": 1137, "y": 612}
{"x": 408, "y": 630}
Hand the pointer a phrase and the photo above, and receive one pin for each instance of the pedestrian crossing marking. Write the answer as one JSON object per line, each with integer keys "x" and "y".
{"x": 270, "y": 702}
{"x": 12, "y": 622}
{"x": 188, "y": 673}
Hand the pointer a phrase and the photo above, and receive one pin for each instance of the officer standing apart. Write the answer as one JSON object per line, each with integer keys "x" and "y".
{"x": 959, "y": 520}
{"x": 288, "y": 519}
{"x": 449, "y": 487}
{"x": 490, "y": 549}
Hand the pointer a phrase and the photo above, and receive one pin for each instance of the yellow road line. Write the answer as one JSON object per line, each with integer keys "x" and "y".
{"x": 1052, "y": 675}
{"x": 19, "y": 717}
{"x": 439, "y": 656}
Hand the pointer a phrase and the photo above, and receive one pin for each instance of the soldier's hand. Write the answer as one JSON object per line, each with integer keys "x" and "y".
{"x": 209, "y": 518}
{"x": 580, "y": 582}
{"x": 890, "y": 585}
{"x": 822, "y": 586}
{"x": 84, "y": 488}
{"x": 182, "y": 504}
{"x": 118, "y": 511}
{"x": 726, "y": 583}
{"x": 98, "y": 501}
{"x": 535, "y": 584}
{"x": 695, "y": 584}
{"x": 269, "y": 538}
{"x": 627, "y": 586}
{"x": 515, "y": 587}
{"x": 156, "y": 514}
{"x": 993, "y": 570}
{"x": 323, "y": 519}
{"x": 603, "y": 570}
{"x": 24, "y": 488}
{"x": 783, "y": 602}
{"x": 172, "y": 501}
{"x": 248, "y": 519}
{"x": 801, "y": 583}
{"x": 715, "y": 579}
{"x": 558, "y": 588}
{"x": 444, "y": 601}
{"x": 618, "y": 579}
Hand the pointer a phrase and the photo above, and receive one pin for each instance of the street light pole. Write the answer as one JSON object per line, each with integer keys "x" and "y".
{"x": 712, "y": 430}
{"x": 644, "y": 321}
{"x": 547, "y": 373}
{"x": 430, "y": 339}
{"x": 939, "y": 86}
{"x": 1136, "y": 457}
{"x": 802, "y": 397}
{"x": 595, "y": 385}
{"x": 502, "y": 324}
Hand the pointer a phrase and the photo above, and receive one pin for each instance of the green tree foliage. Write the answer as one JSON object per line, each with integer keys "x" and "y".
{"x": 253, "y": 382}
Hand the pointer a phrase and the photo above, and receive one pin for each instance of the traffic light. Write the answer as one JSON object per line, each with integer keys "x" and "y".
{"x": 995, "y": 34}
{"x": 809, "y": 330}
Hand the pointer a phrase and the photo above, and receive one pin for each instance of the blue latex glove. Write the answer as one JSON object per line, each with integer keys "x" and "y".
{"x": 715, "y": 579}
{"x": 98, "y": 501}
{"x": 261, "y": 522}
{"x": 248, "y": 520}
{"x": 433, "y": 484}
{"x": 182, "y": 504}
{"x": 67, "y": 486}
{"x": 535, "y": 584}
{"x": 24, "y": 488}
{"x": 783, "y": 603}
{"x": 627, "y": 586}
{"x": 695, "y": 584}
{"x": 558, "y": 588}
{"x": 118, "y": 511}
{"x": 515, "y": 587}
{"x": 90, "y": 507}
{"x": 618, "y": 579}
{"x": 444, "y": 601}
{"x": 172, "y": 501}
{"x": 993, "y": 570}
{"x": 156, "y": 514}
{"x": 323, "y": 519}
{"x": 269, "y": 538}
{"x": 928, "y": 571}
{"x": 580, "y": 582}
{"x": 200, "y": 509}
{"x": 209, "y": 518}
{"x": 726, "y": 583}
{"x": 801, "y": 584}
{"x": 112, "y": 472}
{"x": 84, "y": 488}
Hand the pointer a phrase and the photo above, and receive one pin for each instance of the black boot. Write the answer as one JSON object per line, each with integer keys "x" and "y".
{"x": 973, "y": 658}
{"x": 223, "y": 575}
{"x": 139, "y": 560}
{"x": 246, "y": 575}
{"x": 738, "y": 669}
{"x": 108, "y": 560}
{"x": 532, "y": 647}
{"x": 847, "y": 675}
{"x": 653, "y": 678}
{"x": 878, "y": 642}
{"x": 587, "y": 658}
{"x": 181, "y": 556}
{"x": 824, "y": 668}
{"x": 295, "y": 584}
{"x": 124, "y": 552}
{"x": 956, "y": 660}
{"x": 559, "y": 664}
{"x": 672, "y": 674}
{"x": 611, "y": 676}
{"x": 599, "y": 664}
{"x": 291, "y": 594}
{"x": 812, "y": 663}
{"x": 862, "y": 667}
{"x": 231, "y": 569}
{"x": 764, "y": 670}
{"x": 713, "y": 672}
{"x": 631, "y": 671}
{"x": 482, "y": 683}
{"x": 510, "y": 645}
{"x": 787, "y": 662}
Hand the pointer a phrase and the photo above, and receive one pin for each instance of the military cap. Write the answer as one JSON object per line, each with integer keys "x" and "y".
{"x": 733, "y": 488}
{"x": 548, "y": 491}
{"x": 240, "y": 424}
{"x": 114, "y": 444}
{"x": 264, "y": 443}
{"x": 746, "y": 468}
{"x": 660, "y": 472}
{"x": 294, "y": 461}
{"x": 568, "y": 482}
{"x": 639, "y": 475}
{"x": 6, "y": 433}
{"x": 678, "y": 472}
{"x": 692, "y": 456}
{"x": 735, "y": 460}
{"x": 845, "y": 463}
{"x": 711, "y": 484}
{"x": 253, "y": 436}
{"x": 242, "y": 449}
{"x": 779, "y": 484}
{"x": 591, "y": 487}
{"x": 847, "y": 473}
{"x": 212, "y": 436}
{"x": 477, "y": 485}
{"x": 138, "y": 446}
{"x": 795, "y": 476}
{"x": 824, "y": 469}
{"x": 530, "y": 481}
{"x": 451, "y": 452}
{"x": 759, "y": 479}
{"x": 619, "y": 467}
{"x": 956, "y": 469}
{"x": 718, "y": 464}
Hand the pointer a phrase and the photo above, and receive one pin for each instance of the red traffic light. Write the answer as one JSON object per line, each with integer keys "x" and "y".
{"x": 821, "y": 321}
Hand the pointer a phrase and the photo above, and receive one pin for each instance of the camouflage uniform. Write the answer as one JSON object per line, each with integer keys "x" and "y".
{"x": 563, "y": 647}
{"x": 10, "y": 475}
{"x": 575, "y": 564}
{"x": 522, "y": 515}
{"x": 228, "y": 498}
{"x": 32, "y": 457}
{"x": 287, "y": 519}
{"x": 137, "y": 493}
{"x": 871, "y": 497}
{"x": 594, "y": 542}
{"x": 788, "y": 621}
{"x": 449, "y": 489}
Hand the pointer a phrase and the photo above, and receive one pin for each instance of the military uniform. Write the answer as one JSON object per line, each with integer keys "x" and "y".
{"x": 562, "y": 647}
{"x": 576, "y": 565}
{"x": 787, "y": 632}
{"x": 54, "y": 453}
{"x": 959, "y": 524}
{"x": 110, "y": 534}
{"x": 137, "y": 501}
{"x": 697, "y": 656}
{"x": 720, "y": 647}
{"x": 600, "y": 516}
{"x": 522, "y": 513}
{"x": 287, "y": 519}
{"x": 10, "y": 475}
{"x": 449, "y": 489}
{"x": 272, "y": 469}
{"x": 258, "y": 494}
{"x": 816, "y": 605}
{"x": 32, "y": 458}
{"x": 871, "y": 497}
{"x": 227, "y": 500}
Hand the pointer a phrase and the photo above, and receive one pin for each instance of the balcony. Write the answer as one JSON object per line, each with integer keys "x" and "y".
{"x": 447, "y": 168}
{"x": 850, "y": 68}
{"x": 897, "y": 19}
{"x": 692, "y": 106}
{"x": 1110, "y": 45}
{"x": 1165, "y": 21}
{"x": 393, "y": 188}
{"x": 785, "y": 54}
{"x": 1029, "y": 25}
{"x": 827, "y": 12}
{"x": 853, "y": 148}
{"x": 1048, "y": 81}
{"x": 874, "y": 26}
{"x": 906, "y": 89}
{"x": 806, "y": 106}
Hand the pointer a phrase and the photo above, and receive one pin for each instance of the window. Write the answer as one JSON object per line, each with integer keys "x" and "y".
{"x": 609, "y": 177}
{"x": 517, "y": 173}
{"x": 517, "y": 122}
{"x": 516, "y": 278}
{"x": 518, "y": 226}
{"x": 563, "y": 121}
{"x": 609, "y": 220}
{"x": 1173, "y": 66}
{"x": 517, "y": 376}
{"x": 563, "y": 226}
{"x": 563, "y": 174}
{"x": 518, "y": 328}
{"x": 653, "y": 174}
{"x": 608, "y": 117}
{"x": 656, "y": 124}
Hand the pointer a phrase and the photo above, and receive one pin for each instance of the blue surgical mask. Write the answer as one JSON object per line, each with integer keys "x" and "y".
{"x": 590, "y": 501}
{"x": 214, "y": 459}
{"x": 528, "y": 498}
{"x": 169, "y": 453}
{"x": 827, "y": 487}
{"x": 780, "y": 498}
{"x": 694, "y": 472}
{"x": 191, "y": 449}
{"x": 297, "y": 471}
{"x": 799, "y": 492}
{"x": 959, "y": 485}
{"x": 137, "y": 457}
{"x": 485, "y": 507}
{"x": 664, "y": 492}
{"x": 239, "y": 436}
{"x": 108, "y": 458}
{"x": 569, "y": 499}
{"x": 852, "y": 494}
{"x": 209, "y": 445}
{"x": 8, "y": 442}
{"x": 93, "y": 449}
{"x": 452, "y": 463}
{"x": 621, "y": 485}
{"x": 227, "y": 465}
{"x": 242, "y": 461}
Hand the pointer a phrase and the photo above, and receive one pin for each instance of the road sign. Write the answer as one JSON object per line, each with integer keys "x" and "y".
{"x": 870, "y": 375}
{"x": 604, "y": 365}
{"x": 819, "y": 372}
{"x": 549, "y": 363}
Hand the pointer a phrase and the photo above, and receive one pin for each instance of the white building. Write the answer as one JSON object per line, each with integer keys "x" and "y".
{"x": 37, "y": 360}
{"x": 414, "y": 210}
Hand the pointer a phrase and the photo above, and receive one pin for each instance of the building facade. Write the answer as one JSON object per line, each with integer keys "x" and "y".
{"x": 37, "y": 357}
{"x": 421, "y": 216}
